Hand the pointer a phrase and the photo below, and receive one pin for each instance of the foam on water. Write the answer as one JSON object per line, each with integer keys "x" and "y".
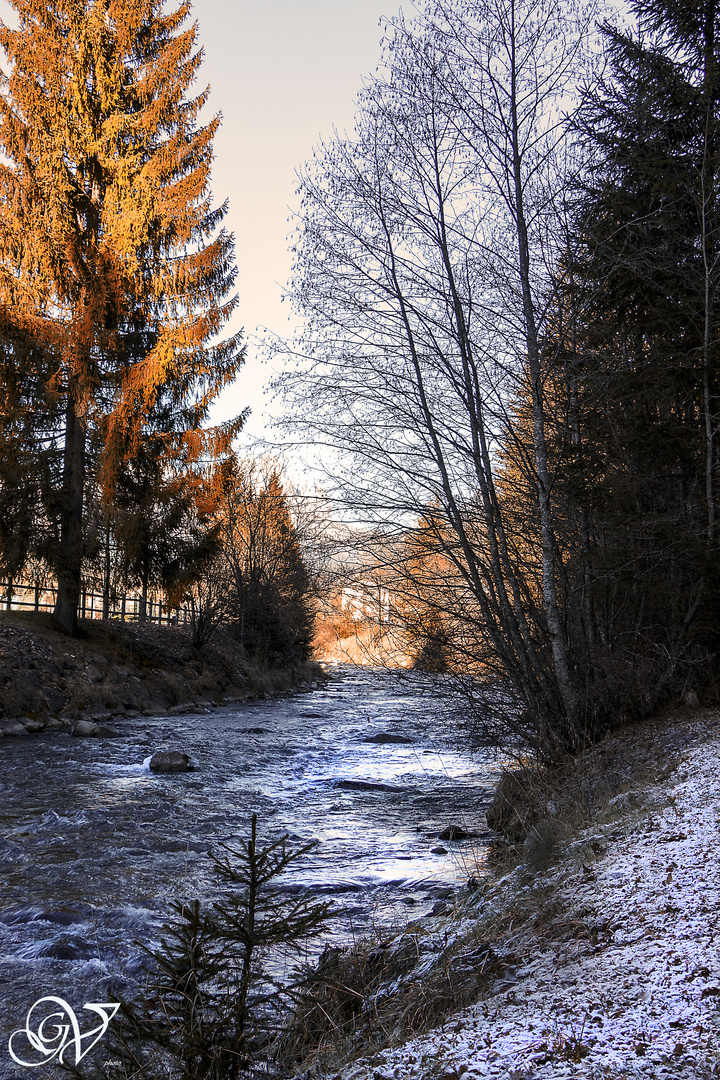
{"x": 133, "y": 769}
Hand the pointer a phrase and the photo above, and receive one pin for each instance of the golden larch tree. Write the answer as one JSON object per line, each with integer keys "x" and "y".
{"x": 116, "y": 275}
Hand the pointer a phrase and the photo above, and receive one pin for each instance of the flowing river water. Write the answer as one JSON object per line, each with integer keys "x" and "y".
{"x": 93, "y": 845}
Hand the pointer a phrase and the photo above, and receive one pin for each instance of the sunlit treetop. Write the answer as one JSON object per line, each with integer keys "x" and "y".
{"x": 116, "y": 275}
{"x": 107, "y": 226}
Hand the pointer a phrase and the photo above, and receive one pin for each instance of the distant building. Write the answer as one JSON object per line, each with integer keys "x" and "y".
{"x": 366, "y": 602}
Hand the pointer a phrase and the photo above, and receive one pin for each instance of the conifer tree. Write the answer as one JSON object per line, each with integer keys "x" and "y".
{"x": 28, "y": 417}
{"x": 107, "y": 233}
{"x": 161, "y": 517}
{"x": 211, "y": 1006}
{"x": 645, "y": 363}
{"x": 268, "y": 586}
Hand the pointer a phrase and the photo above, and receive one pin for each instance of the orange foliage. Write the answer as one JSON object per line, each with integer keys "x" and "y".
{"x": 113, "y": 261}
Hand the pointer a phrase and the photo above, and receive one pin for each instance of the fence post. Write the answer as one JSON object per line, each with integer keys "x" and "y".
{"x": 9, "y": 593}
{"x": 37, "y": 594}
{"x": 122, "y": 608}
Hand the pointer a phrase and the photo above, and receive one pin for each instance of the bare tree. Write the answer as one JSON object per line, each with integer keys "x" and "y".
{"x": 424, "y": 270}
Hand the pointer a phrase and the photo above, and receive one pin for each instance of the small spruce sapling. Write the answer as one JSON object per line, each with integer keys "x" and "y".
{"x": 257, "y": 922}
{"x": 210, "y": 1007}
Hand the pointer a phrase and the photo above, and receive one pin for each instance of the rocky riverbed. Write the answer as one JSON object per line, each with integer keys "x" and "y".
{"x": 599, "y": 960}
{"x": 95, "y": 845}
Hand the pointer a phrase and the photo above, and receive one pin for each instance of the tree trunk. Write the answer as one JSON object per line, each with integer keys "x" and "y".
{"x": 69, "y": 564}
{"x": 142, "y": 610}
{"x": 547, "y": 532}
{"x": 106, "y": 575}
{"x": 708, "y": 223}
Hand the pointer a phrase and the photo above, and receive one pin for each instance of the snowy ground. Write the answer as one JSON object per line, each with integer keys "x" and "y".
{"x": 635, "y": 991}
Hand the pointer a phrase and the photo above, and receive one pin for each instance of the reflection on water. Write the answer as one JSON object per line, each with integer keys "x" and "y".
{"x": 92, "y": 844}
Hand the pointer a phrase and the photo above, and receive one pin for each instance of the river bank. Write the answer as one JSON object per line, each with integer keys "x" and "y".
{"x": 590, "y": 951}
{"x": 595, "y": 957}
{"x": 117, "y": 670}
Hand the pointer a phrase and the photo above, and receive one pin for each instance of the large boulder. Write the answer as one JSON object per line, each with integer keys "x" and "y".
{"x": 171, "y": 761}
{"x": 32, "y": 723}
{"x": 12, "y": 727}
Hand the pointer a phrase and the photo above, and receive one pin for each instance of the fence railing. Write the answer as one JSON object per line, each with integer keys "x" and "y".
{"x": 36, "y": 596}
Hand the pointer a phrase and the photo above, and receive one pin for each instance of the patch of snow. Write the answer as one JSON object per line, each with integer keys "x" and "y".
{"x": 640, "y": 997}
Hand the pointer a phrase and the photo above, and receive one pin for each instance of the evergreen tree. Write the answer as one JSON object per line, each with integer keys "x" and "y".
{"x": 29, "y": 415}
{"x": 641, "y": 365}
{"x": 210, "y": 1009}
{"x": 107, "y": 231}
{"x": 268, "y": 587}
{"x": 161, "y": 516}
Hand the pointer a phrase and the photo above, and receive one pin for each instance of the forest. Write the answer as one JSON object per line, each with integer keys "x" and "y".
{"x": 506, "y": 375}
{"x": 116, "y": 279}
{"x": 507, "y": 277}
{"x": 506, "y": 280}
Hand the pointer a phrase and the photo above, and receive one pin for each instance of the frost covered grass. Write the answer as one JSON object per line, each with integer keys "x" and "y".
{"x": 604, "y": 964}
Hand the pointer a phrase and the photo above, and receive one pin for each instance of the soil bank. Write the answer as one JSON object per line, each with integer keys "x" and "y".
{"x": 121, "y": 669}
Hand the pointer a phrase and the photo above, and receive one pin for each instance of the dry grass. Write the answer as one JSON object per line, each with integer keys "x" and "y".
{"x": 536, "y": 811}
{"x": 367, "y": 995}
{"x": 380, "y": 992}
{"x": 113, "y": 667}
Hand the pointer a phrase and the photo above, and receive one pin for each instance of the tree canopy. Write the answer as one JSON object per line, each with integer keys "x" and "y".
{"x": 116, "y": 275}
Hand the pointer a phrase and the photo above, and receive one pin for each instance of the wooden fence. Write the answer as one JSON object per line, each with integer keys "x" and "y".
{"x": 23, "y": 596}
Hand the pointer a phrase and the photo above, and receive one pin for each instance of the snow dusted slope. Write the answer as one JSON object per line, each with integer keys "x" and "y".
{"x": 637, "y": 994}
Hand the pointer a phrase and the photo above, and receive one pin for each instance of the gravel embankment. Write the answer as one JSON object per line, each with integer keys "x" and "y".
{"x": 120, "y": 670}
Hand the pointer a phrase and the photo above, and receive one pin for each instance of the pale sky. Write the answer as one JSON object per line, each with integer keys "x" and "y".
{"x": 282, "y": 73}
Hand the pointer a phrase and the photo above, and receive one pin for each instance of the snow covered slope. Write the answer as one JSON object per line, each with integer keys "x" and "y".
{"x": 635, "y": 990}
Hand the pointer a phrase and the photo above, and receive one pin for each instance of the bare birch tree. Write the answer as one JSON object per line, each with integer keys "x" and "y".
{"x": 424, "y": 258}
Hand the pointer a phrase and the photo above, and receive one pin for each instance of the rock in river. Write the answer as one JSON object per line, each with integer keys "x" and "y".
{"x": 454, "y": 832}
{"x": 171, "y": 761}
{"x": 12, "y": 727}
{"x": 365, "y": 785}
{"x": 383, "y": 737}
{"x": 88, "y": 729}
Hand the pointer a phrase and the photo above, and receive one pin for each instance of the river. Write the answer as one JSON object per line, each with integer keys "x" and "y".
{"x": 93, "y": 845}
